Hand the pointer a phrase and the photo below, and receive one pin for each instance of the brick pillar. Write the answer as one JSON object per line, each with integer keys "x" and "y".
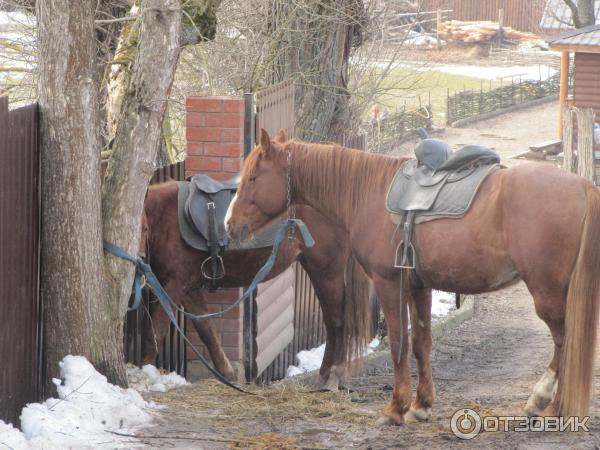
{"x": 214, "y": 133}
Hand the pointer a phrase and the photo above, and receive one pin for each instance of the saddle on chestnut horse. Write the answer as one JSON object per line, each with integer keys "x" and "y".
{"x": 438, "y": 184}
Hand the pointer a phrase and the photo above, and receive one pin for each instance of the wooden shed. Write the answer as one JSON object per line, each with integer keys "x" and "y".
{"x": 584, "y": 44}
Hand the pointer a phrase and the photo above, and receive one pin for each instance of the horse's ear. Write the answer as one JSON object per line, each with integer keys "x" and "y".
{"x": 265, "y": 142}
{"x": 281, "y": 136}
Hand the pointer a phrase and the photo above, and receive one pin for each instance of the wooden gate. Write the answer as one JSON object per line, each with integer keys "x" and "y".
{"x": 285, "y": 316}
{"x": 20, "y": 307}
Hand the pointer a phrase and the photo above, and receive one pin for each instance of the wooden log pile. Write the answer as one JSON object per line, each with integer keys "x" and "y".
{"x": 481, "y": 32}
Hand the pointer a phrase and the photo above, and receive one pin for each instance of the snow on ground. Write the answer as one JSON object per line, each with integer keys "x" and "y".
{"x": 517, "y": 72}
{"x": 535, "y": 72}
{"x": 308, "y": 360}
{"x": 87, "y": 411}
{"x": 441, "y": 304}
{"x": 149, "y": 378}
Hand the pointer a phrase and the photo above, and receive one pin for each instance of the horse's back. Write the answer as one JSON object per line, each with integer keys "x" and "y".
{"x": 524, "y": 222}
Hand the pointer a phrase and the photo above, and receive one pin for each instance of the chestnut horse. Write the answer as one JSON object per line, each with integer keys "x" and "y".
{"x": 177, "y": 267}
{"x": 530, "y": 222}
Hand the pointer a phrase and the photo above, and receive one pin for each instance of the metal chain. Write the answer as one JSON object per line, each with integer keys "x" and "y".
{"x": 291, "y": 209}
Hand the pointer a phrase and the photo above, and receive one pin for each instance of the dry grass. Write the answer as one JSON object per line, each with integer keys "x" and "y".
{"x": 211, "y": 401}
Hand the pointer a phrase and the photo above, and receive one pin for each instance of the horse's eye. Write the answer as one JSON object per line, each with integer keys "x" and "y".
{"x": 252, "y": 178}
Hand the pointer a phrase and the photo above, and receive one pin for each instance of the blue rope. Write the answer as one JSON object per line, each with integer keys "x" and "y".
{"x": 144, "y": 271}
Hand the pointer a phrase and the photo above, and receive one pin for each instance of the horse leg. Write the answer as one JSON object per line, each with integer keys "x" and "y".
{"x": 154, "y": 333}
{"x": 420, "y": 319}
{"x": 551, "y": 310}
{"x": 388, "y": 293}
{"x": 330, "y": 292}
{"x": 208, "y": 334}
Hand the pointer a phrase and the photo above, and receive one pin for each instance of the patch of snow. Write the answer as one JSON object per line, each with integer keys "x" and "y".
{"x": 87, "y": 411}
{"x": 149, "y": 378}
{"x": 309, "y": 360}
{"x": 441, "y": 304}
{"x": 16, "y": 18}
{"x": 419, "y": 39}
{"x": 523, "y": 72}
{"x": 536, "y": 72}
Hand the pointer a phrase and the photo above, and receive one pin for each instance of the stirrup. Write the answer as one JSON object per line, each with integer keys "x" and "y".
{"x": 408, "y": 256}
{"x": 220, "y": 272}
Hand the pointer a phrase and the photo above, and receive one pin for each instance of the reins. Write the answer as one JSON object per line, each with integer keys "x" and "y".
{"x": 145, "y": 276}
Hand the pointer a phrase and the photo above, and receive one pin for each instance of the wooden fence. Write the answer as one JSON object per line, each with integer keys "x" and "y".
{"x": 20, "y": 306}
{"x": 463, "y": 104}
{"x": 523, "y": 15}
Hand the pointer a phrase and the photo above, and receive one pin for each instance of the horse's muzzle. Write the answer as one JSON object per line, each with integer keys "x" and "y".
{"x": 237, "y": 233}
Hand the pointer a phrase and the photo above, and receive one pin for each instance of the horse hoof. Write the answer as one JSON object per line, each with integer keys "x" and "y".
{"x": 331, "y": 384}
{"x": 417, "y": 415}
{"x": 384, "y": 421}
{"x": 229, "y": 373}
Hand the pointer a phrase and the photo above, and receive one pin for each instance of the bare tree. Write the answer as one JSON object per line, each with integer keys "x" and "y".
{"x": 582, "y": 11}
{"x": 85, "y": 291}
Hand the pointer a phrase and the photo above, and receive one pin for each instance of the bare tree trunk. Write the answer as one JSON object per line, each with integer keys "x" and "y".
{"x": 582, "y": 12}
{"x": 72, "y": 259}
{"x": 312, "y": 45}
{"x": 136, "y": 142}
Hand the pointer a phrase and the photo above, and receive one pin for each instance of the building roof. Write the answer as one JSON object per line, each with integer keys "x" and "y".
{"x": 583, "y": 39}
{"x": 557, "y": 15}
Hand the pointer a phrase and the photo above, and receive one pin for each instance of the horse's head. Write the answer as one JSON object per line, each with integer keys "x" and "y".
{"x": 262, "y": 193}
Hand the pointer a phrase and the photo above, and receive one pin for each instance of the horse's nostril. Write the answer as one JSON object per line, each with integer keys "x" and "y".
{"x": 244, "y": 232}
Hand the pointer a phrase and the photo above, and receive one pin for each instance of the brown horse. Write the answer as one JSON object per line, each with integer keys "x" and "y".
{"x": 177, "y": 267}
{"x": 529, "y": 222}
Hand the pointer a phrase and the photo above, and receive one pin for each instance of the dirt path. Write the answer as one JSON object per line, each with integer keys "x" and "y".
{"x": 488, "y": 364}
{"x": 508, "y": 134}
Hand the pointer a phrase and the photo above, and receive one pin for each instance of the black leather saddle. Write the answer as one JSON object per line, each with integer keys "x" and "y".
{"x": 207, "y": 202}
{"x": 432, "y": 153}
{"x": 204, "y": 209}
{"x": 438, "y": 184}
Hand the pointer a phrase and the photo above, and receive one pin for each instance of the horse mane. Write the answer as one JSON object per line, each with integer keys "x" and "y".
{"x": 338, "y": 178}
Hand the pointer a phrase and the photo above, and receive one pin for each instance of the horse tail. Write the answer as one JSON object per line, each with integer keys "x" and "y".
{"x": 357, "y": 323}
{"x": 581, "y": 321}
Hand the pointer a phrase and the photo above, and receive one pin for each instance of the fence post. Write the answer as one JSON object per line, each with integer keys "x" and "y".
{"x": 448, "y": 112}
{"x": 585, "y": 143}
{"x": 500, "y": 25}
{"x": 569, "y": 162}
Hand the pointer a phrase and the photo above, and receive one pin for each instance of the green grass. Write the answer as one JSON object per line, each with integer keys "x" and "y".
{"x": 408, "y": 88}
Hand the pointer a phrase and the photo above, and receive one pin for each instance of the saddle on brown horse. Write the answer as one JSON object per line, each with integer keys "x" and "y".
{"x": 438, "y": 184}
{"x": 202, "y": 206}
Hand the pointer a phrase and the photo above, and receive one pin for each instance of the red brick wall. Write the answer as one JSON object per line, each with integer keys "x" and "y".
{"x": 214, "y": 133}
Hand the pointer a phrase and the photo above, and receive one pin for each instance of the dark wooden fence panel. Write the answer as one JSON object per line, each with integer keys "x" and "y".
{"x": 20, "y": 310}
